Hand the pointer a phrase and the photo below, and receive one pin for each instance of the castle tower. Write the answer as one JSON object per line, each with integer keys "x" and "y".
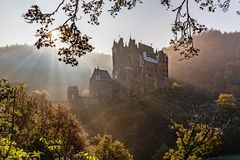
{"x": 138, "y": 68}
{"x": 163, "y": 60}
{"x": 117, "y": 56}
{"x": 72, "y": 93}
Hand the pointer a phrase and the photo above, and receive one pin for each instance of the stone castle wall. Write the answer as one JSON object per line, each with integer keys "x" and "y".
{"x": 137, "y": 69}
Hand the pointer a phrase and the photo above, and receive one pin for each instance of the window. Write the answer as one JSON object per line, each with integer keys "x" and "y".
{"x": 97, "y": 77}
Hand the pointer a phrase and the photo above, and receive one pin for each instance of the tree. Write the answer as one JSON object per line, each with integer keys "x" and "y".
{"x": 9, "y": 114}
{"x": 195, "y": 140}
{"x": 106, "y": 148}
{"x": 203, "y": 132}
{"x": 184, "y": 26}
{"x": 226, "y": 100}
{"x": 176, "y": 87}
{"x": 32, "y": 126}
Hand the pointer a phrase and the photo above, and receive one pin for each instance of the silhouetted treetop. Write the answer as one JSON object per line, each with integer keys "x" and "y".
{"x": 184, "y": 26}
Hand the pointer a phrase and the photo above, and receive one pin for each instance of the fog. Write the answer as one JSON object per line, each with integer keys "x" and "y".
{"x": 216, "y": 68}
{"x": 41, "y": 70}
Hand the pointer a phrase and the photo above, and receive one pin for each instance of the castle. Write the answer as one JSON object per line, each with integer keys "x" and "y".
{"x": 137, "y": 69}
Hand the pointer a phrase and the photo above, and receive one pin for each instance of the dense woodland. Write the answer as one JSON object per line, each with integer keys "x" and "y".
{"x": 151, "y": 127}
{"x": 142, "y": 124}
{"x": 146, "y": 120}
{"x": 32, "y": 128}
{"x": 183, "y": 121}
{"x": 216, "y": 69}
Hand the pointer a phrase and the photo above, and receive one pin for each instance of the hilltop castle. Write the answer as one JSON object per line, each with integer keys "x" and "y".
{"x": 137, "y": 69}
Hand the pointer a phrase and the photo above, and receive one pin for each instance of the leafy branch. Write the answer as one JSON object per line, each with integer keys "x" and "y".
{"x": 184, "y": 27}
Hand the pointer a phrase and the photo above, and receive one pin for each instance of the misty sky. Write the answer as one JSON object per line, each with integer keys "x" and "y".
{"x": 148, "y": 22}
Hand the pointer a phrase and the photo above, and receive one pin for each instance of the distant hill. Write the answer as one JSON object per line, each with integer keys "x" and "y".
{"x": 215, "y": 69}
{"x": 217, "y": 66}
{"x": 41, "y": 70}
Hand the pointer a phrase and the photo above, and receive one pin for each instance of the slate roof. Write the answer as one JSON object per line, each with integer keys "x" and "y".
{"x": 151, "y": 55}
{"x": 99, "y": 74}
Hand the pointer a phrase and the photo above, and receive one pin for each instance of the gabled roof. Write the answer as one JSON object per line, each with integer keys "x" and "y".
{"x": 99, "y": 74}
{"x": 152, "y": 55}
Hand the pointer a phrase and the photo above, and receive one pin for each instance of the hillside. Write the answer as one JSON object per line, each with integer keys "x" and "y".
{"x": 216, "y": 69}
{"x": 41, "y": 70}
{"x": 142, "y": 124}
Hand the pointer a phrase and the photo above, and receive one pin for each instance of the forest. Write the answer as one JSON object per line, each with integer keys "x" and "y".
{"x": 182, "y": 105}
{"x": 216, "y": 69}
{"x": 197, "y": 117}
{"x": 219, "y": 73}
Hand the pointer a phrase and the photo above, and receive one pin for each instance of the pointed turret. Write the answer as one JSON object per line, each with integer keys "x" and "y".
{"x": 120, "y": 42}
{"x": 114, "y": 44}
{"x": 131, "y": 43}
